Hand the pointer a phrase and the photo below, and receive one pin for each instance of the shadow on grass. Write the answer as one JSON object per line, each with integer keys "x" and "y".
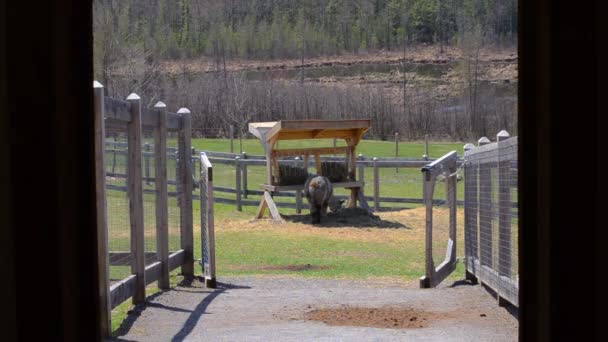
{"x": 195, "y": 315}
{"x": 346, "y": 217}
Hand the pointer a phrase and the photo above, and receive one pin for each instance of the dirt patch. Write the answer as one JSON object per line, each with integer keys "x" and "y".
{"x": 392, "y": 318}
{"x": 294, "y": 268}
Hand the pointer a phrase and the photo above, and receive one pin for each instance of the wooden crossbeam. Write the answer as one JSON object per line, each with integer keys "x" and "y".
{"x": 305, "y": 151}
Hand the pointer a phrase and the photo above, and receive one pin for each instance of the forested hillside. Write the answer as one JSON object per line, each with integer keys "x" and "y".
{"x": 291, "y": 28}
{"x": 414, "y": 66}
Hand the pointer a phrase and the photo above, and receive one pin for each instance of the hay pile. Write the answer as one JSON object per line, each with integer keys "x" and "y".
{"x": 292, "y": 175}
{"x": 336, "y": 171}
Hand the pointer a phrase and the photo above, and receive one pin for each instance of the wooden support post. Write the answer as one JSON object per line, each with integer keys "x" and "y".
{"x": 244, "y": 174}
{"x": 136, "y": 201}
{"x": 103, "y": 262}
{"x": 428, "y": 185}
{"x": 318, "y": 164}
{"x": 298, "y": 192}
{"x": 185, "y": 178}
{"x": 147, "y": 163}
{"x": 162, "y": 201}
{"x": 231, "y": 139}
{"x": 396, "y": 149}
{"x": 485, "y": 211}
{"x": 376, "y": 185}
{"x": 207, "y": 222}
{"x": 361, "y": 173}
{"x": 306, "y": 161}
{"x": 426, "y": 147}
{"x": 471, "y": 232}
{"x": 504, "y": 208}
{"x": 237, "y": 167}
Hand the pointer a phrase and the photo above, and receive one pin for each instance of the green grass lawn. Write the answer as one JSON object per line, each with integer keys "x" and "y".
{"x": 369, "y": 148}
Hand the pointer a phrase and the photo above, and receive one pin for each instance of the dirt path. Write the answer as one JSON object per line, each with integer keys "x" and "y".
{"x": 298, "y": 309}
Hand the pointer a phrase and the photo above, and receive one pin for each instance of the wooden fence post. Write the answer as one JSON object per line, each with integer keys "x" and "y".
{"x": 504, "y": 208}
{"x": 231, "y": 139}
{"x": 376, "y": 185}
{"x": 298, "y": 192}
{"x": 485, "y": 210}
{"x": 396, "y": 149}
{"x": 471, "y": 230}
{"x": 185, "y": 178}
{"x": 103, "y": 262}
{"x": 426, "y": 147}
{"x": 147, "y": 162}
{"x": 237, "y": 166}
{"x": 136, "y": 200}
{"x": 162, "y": 202}
{"x": 244, "y": 174}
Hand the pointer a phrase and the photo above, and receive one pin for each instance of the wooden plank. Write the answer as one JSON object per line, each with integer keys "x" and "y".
{"x": 186, "y": 214}
{"x": 376, "y": 185}
{"x": 162, "y": 201}
{"x": 298, "y": 194}
{"x": 261, "y": 208}
{"x": 176, "y": 259}
{"x": 429, "y": 269}
{"x": 135, "y": 193}
{"x": 318, "y": 164}
{"x": 274, "y": 212}
{"x": 117, "y": 109}
{"x": 101, "y": 208}
{"x": 237, "y": 181}
{"x": 153, "y": 272}
{"x": 210, "y": 273}
{"x": 149, "y": 117}
{"x": 243, "y": 164}
{"x": 313, "y": 150}
{"x": 122, "y": 290}
{"x": 174, "y": 122}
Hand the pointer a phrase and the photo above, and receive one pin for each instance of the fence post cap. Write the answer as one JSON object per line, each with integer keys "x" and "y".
{"x": 97, "y": 84}
{"x": 468, "y": 146}
{"x": 160, "y": 104}
{"x": 297, "y": 158}
{"x": 133, "y": 96}
{"x": 374, "y": 159}
{"x": 183, "y": 110}
{"x": 237, "y": 157}
{"x": 483, "y": 141}
{"x": 425, "y": 157}
{"x": 502, "y": 135}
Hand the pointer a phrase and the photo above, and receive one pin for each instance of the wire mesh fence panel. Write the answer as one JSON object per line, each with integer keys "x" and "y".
{"x": 149, "y": 196}
{"x": 173, "y": 190}
{"x": 441, "y": 223}
{"x": 118, "y": 220}
{"x": 491, "y": 226}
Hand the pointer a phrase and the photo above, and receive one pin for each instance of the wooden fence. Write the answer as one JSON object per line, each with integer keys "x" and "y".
{"x": 129, "y": 117}
{"x": 241, "y": 162}
{"x": 491, "y": 227}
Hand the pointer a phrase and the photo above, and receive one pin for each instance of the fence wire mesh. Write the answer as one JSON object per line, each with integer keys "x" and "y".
{"x": 118, "y": 219}
{"x": 491, "y": 225}
{"x": 174, "y": 191}
{"x": 149, "y": 196}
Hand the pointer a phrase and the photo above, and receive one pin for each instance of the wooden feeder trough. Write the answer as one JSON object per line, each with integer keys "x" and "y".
{"x": 281, "y": 177}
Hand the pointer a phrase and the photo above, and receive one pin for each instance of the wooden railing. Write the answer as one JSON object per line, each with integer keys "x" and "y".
{"x": 129, "y": 117}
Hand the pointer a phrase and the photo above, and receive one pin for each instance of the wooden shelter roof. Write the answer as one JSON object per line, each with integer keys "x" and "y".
{"x": 271, "y": 132}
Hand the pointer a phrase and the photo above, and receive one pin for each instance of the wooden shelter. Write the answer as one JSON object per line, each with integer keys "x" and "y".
{"x": 270, "y": 133}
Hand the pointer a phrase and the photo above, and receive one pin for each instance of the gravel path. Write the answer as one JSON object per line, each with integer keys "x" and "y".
{"x": 275, "y": 309}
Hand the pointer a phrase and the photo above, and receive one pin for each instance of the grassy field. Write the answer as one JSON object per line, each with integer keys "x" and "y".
{"x": 369, "y": 148}
{"x": 392, "y": 249}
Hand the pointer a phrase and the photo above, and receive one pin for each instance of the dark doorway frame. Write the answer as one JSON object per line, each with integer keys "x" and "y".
{"x": 48, "y": 245}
